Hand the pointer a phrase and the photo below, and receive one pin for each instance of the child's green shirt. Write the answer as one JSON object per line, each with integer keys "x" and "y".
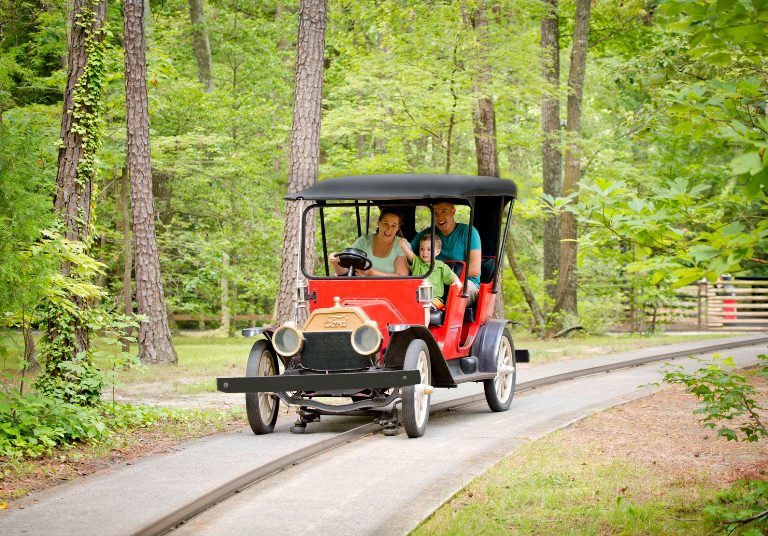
{"x": 441, "y": 275}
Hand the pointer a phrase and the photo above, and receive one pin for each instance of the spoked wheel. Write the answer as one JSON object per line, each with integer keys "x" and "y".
{"x": 500, "y": 390}
{"x": 261, "y": 407}
{"x": 416, "y": 397}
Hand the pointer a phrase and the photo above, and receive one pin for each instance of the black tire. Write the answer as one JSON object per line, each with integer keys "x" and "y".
{"x": 415, "y": 405}
{"x": 261, "y": 408}
{"x": 499, "y": 396}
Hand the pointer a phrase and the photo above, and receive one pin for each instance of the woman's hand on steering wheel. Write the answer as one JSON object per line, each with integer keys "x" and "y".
{"x": 364, "y": 272}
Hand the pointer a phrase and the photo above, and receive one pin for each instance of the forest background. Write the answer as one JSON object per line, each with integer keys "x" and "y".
{"x": 636, "y": 132}
{"x": 668, "y": 138}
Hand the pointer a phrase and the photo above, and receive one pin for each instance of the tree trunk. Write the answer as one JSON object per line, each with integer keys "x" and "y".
{"x": 225, "y": 313}
{"x": 538, "y": 316}
{"x": 551, "y": 159}
{"x": 483, "y": 118}
{"x": 305, "y": 144}
{"x": 201, "y": 45}
{"x": 566, "y": 280}
{"x": 74, "y": 176}
{"x": 127, "y": 255}
{"x": 72, "y": 199}
{"x": 30, "y": 355}
{"x": 482, "y": 113}
{"x": 155, "y": 341}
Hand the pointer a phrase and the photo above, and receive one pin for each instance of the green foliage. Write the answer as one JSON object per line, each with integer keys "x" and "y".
{"x": 67, "y": 370}
{"x": 676, "y": 233}
{"x": 33, "y": 424}
{"x": 744, "y": 505}
{"x": 26, "y": 180}
{"x": 725, "y": 396}
{"x": 728, "y": 397}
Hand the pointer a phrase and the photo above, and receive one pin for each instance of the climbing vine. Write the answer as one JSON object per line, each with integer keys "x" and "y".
{"x": 88, "y": 99}
{"x": 68, "y": 370}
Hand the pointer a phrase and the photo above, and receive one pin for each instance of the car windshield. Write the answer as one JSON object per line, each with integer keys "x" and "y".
{"x": 374, "y": 229}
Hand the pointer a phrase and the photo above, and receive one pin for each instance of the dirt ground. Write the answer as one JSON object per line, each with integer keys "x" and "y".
{"x": 662, "y": 429}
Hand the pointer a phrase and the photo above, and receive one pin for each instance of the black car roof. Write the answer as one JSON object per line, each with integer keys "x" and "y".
{"x": 413, "y": 186}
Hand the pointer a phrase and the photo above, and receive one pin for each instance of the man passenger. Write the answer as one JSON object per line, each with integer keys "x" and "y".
{"x": 454, "y": 236}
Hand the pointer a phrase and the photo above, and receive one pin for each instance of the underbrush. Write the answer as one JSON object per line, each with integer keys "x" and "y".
{"x": 33, "y": 425}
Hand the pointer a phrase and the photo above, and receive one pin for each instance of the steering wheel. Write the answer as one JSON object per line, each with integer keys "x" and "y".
{"x": 354, "y": 259}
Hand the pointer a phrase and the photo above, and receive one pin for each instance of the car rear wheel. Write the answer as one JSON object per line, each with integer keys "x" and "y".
{"x": 261, "y": 407}
{"x": 416, "y": 397}
{"x": 500, "y": 390}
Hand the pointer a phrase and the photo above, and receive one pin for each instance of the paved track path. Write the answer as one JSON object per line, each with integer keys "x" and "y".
{"x": 376, "y": 485}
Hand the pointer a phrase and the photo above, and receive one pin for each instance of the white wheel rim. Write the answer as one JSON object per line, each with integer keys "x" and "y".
{"x": 266, "y": 402}
{"x": 420, "y": 398}
{"x": 505, "y": 371}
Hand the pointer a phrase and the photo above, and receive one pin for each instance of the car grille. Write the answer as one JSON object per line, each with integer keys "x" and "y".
{"x": 331, "y": 350}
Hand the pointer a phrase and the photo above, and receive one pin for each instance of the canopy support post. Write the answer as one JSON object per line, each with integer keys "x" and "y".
{"x": 500, "y": 256}
{"x": 357, "y": 212}
{"x": 325, "y": 246}
{"x": 469, "y": 245}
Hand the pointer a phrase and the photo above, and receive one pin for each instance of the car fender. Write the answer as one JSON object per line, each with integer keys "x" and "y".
{"x": 401, "y": 335}
{"x": 487, "y": 344}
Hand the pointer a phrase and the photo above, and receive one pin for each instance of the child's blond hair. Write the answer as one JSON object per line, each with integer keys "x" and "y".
{"x": 438, "y": 241}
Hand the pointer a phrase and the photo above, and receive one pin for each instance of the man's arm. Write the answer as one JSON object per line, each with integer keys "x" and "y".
{"x": 475, "y": 256}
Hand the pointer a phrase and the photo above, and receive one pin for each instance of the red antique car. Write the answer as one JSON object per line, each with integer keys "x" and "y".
{"x": 374, "y": 343}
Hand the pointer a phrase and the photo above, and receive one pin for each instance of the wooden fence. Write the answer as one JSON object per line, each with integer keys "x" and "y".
{"x": 738, "y": 305}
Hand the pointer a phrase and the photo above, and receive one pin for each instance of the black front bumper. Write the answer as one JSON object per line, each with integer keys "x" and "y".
{"x": 319, "y": 382}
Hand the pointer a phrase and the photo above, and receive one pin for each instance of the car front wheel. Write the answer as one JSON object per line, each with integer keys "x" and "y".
{"x": 500, "y": 389}
{"x": 261, "y": 407}
{"x": 416, "y": 397}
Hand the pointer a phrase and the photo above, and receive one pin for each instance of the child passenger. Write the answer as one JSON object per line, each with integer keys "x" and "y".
{"x": 441, "y": 275}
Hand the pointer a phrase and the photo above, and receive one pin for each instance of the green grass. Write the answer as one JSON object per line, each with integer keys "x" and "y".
{"x": 551, "y": 488}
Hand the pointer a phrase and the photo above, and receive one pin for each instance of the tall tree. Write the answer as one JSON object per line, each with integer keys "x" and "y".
{"x": 305, "y": 143}
{"x": 80, "y": 137}
{"x": 566, "y": 280}
{"x": 155, "y": 341}
{"x": 551, "y": 159}
{"x": 483, "y": 117}
{"x": 201, "y": 45}
{"x": 127, "y": 255}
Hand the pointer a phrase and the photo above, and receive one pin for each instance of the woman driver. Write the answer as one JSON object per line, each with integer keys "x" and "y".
{"x": 382, "y": 248}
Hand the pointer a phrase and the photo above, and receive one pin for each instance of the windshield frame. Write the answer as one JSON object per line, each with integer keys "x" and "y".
{"x": 321, "y": 205}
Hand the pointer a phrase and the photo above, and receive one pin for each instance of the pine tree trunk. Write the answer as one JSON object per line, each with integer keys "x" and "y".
{"x": 551, "y": 159}
{"x": 127, "y": 255}
{"x": 567, "y": 276}
{"x": 305, "y": 144}
{"x": 201, "y": 45}
{"x": 155, "y": 342}
{"x": 482, "y": 113}
{"x": 483, "y": 118}
{"x": 72, "y": 194}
